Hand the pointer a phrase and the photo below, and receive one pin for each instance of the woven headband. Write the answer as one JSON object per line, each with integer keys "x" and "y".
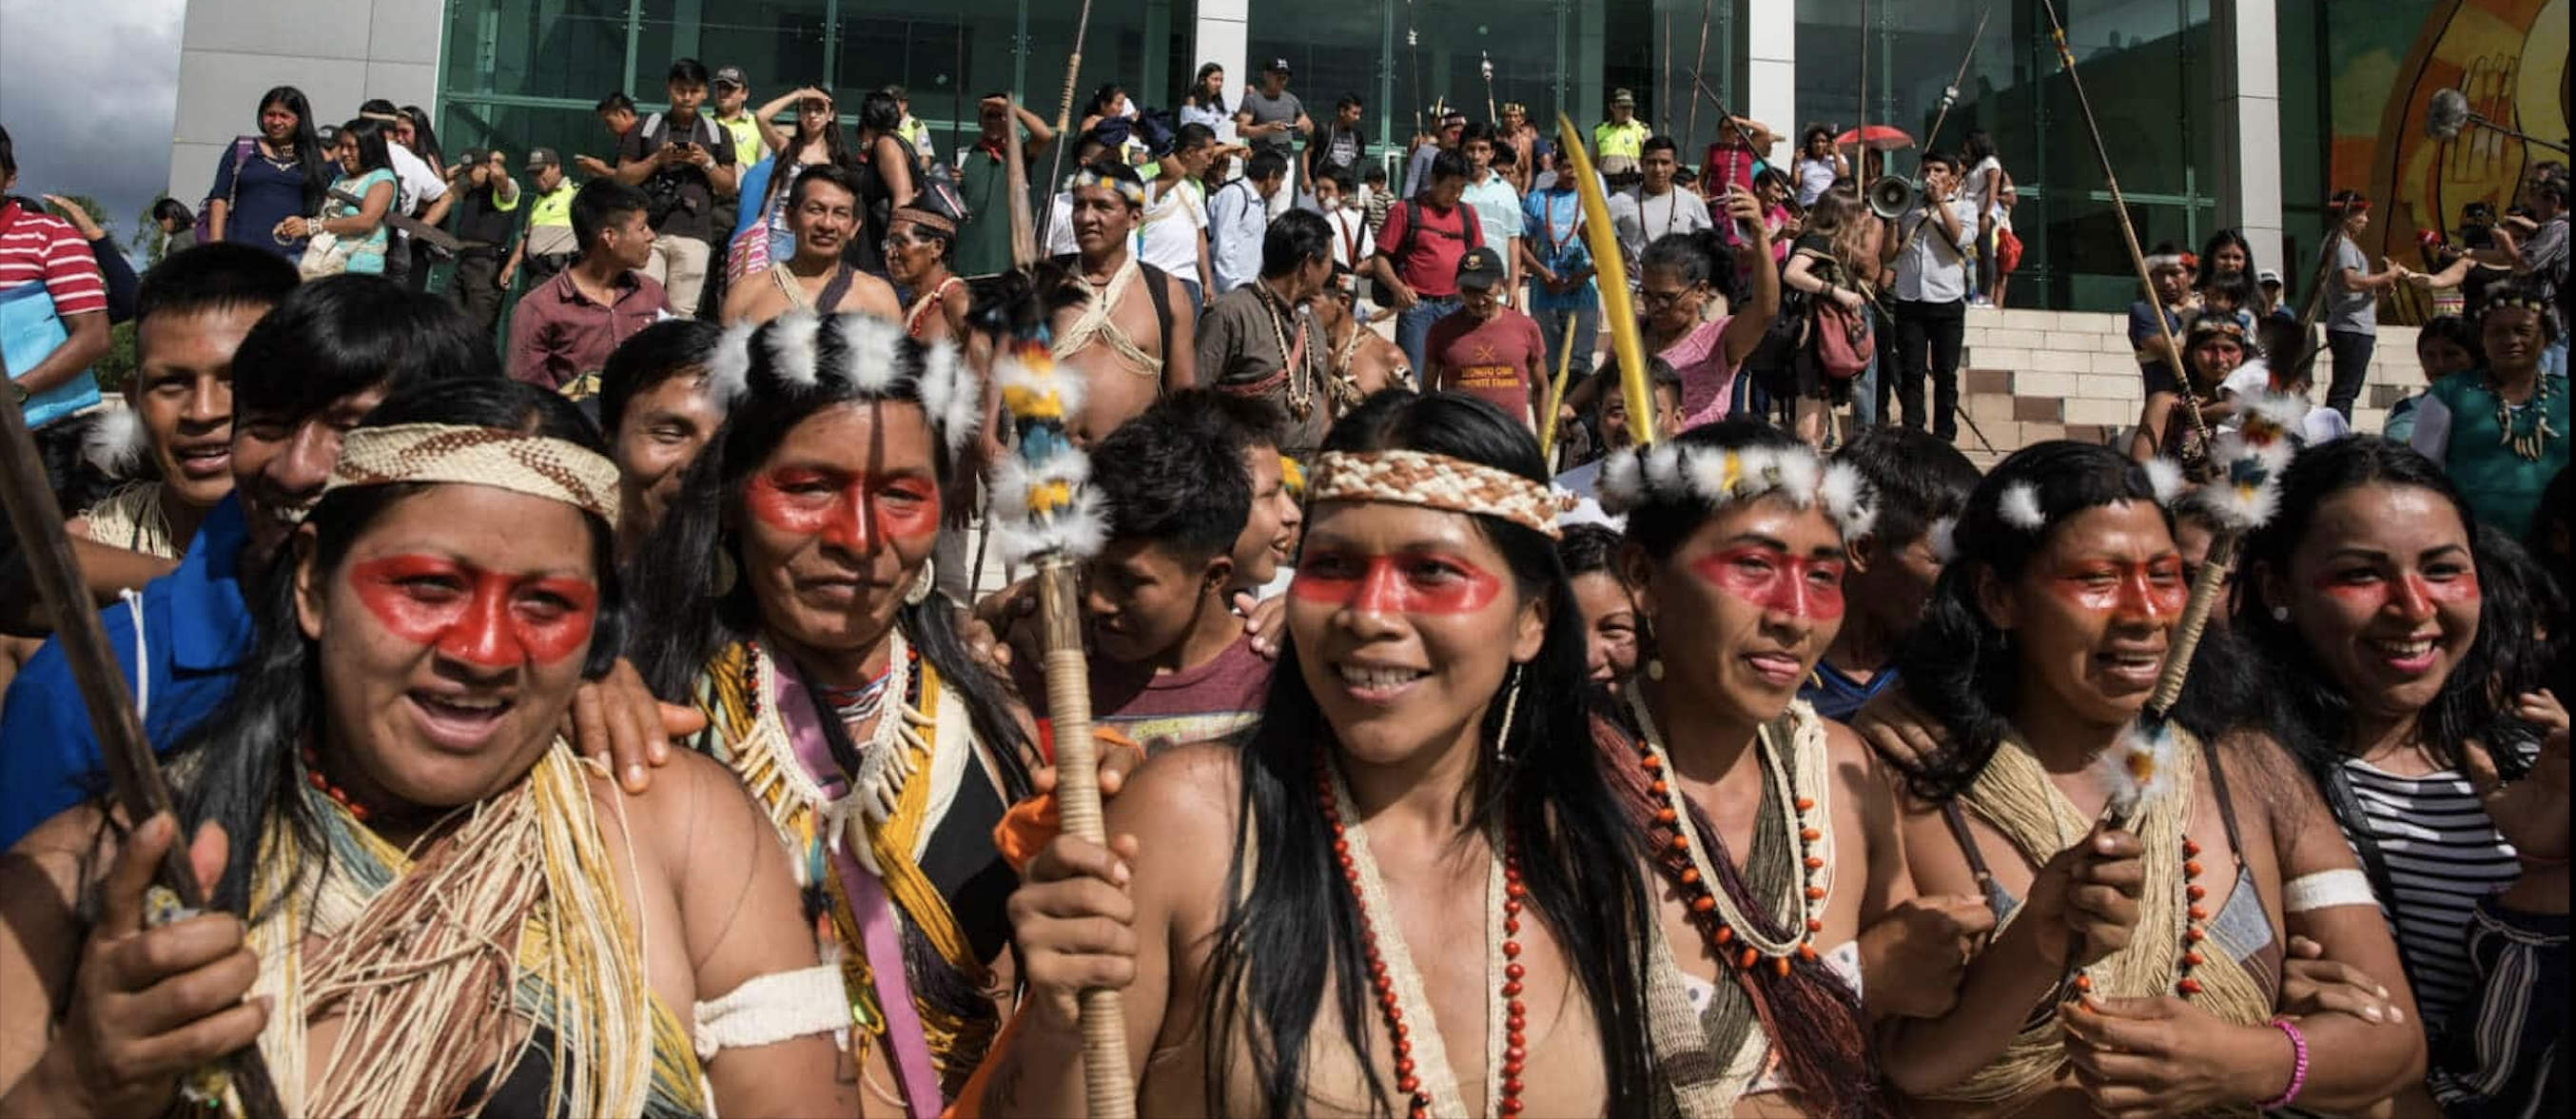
{"x": 925, "y": 219}
{"x": 1437, "y": 482}
{"x": 1134, "y": 193}
{"x": 479, "y": 456}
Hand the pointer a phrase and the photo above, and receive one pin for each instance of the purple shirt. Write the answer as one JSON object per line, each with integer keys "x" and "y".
{"x": 558, "y": 335}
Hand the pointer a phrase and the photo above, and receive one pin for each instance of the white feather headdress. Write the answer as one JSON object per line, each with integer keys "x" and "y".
{"x": 1717, "y": 476}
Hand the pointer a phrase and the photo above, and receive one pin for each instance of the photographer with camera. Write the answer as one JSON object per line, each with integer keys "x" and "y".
{"x": 681, "y": 159}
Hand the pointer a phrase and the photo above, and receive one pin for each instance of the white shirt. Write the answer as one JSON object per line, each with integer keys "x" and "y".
{"x": 1584, "y": 482}
{"x": 1218, "y": 120}
{"x": 1174, "y": 223}
{"x": 416, "y": 182}
{"x": 1238, "y": 217}
{"x": 1975, "y": 188}
{"x": 1641, "y": 219}
{"x": 1933, "y": 268}
{"x": 1350, "y": 227}
{"x": 2253, "y": 380}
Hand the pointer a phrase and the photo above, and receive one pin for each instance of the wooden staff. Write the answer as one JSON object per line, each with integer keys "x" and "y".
{"x": 134, "y": 776}
{"x": 1485, "y": 65}
{"x": 1698, "y": 63}
{"x": 1612, "y": 273}
{"x": 1063, "y": 117}
{"x": 1015, "y": 178}
{"x": 2120, "y": 207}
{"x": 1556, "y": 394}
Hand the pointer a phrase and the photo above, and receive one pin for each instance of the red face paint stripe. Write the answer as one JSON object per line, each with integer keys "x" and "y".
{"x": 1777, "y": 581}
{"x": 2152, "y": 589}
{"x": 1403, "y": 583}
{"x": 481, "y": 617}
{"x": 2410, "y": 592}
{"x": 848, "y": 511}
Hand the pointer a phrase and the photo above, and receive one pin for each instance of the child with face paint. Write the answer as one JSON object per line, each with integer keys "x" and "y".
{"x": 2411, "y": 700}
{"x": 1737, "y": 553}
{"x": 2046, "y": 636}
{"x": 395, "y": 746}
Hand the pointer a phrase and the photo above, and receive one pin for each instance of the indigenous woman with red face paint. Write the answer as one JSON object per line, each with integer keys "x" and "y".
{"x": 449, "y": 913}
{"x": 2412, "y": 699}
{"x": 792, "y": 581}
{"x": 2136, "y": 970}
{"x": 1405, "y": 895}
{"x": 1736, "y": 548}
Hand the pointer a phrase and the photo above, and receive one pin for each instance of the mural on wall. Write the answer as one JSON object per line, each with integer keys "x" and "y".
{"x": 2508, "y": 56}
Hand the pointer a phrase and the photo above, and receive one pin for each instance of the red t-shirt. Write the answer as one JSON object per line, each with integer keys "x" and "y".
{"x": 42, "y": 249}
{"x": 1430, "y": 265}
{"x": 1498, "y": 359}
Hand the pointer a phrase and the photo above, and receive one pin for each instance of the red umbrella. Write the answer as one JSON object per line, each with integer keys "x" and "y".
{"x": 1877, "y": 137}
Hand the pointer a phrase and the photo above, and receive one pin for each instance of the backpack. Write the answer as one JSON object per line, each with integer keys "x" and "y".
{"x": 1842, "y": 340}
{"x": 662, "y": 191}
{"x": 1468, "y": 231}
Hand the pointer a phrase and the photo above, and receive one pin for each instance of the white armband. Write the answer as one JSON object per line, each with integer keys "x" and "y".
{"x": 2327, "y": 889}
{"x": 768, "y": 1009}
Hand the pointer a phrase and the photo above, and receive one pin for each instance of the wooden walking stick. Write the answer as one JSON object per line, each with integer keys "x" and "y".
{"x": 1048, "y": 517}
{"x": 240, "y": 1085}
{"x": 1063, "y": 118}
{"x": 1699, "y": 62}
{"x": 1556, "y": 394}
{"x": 2128, "y": 230}
{"x": 1612, "y": 274}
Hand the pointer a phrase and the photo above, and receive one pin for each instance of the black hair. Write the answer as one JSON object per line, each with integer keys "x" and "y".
{"x": 1947, "y": 161}
{"x": 836, "y": 152}
{"x": 2458, "y": 332}
{"x": 2521, "y": 291}
{"x": 1659, "y": 143}
{"x": 2549, "y": 177}
{"x": 316, "y": 164}
{"x": 647, "y": 358}
{"x": 685, "y": 71}
{"x": 615, "y": 102}
{"x": 1267, "y": 163}
{"x": 378, "y": 106}
{"x": 677, "y": 564}
{"x": 600, "y": 204}
{"x": 1810, "y": 134}
{"x": 374, "y": 148}
{"x": 1960, "y": 669}
{"x": 2238, "y": 286}
{"x": 2209, "y": 257}
{"x": 1589, "y": 550}
{"x": 175, "y": 212}
{"x": 1917, "y": 479}
{"x": 1188, "y": 496}
{"x": 1977, "y": 146}
{"x": 1449, "y": 164}
{"x": 214, "y": 277}
{"x": 1192, "y": 135}
{"x": 2551, "y": 517}
{"x": 238, "y": 764}
{"x": 425, "y": 138}
{"x": 1241, "y": 424}
{"x": 1199, "y": 96}
{"x": 1295, "y": 239}
{"x": 1376, "y": 172}
{"x": 1692, "y": 256}
{"x": 1349, "y": 101}
{"x": 341, "y": 335}
{"x": 879, "y": 114}
{"x": 1506, "y": 155}
{"x": 1582, "y": 863}
{"x": 2473, "y": 704}
{"x": 831, "y": 174}
{"x": 1476, "y": 130}
{"x": 1102, "y": 98}
{"x": 8, "y": 155}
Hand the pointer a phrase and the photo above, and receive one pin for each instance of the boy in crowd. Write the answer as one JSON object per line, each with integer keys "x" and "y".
{"x": 562, "y": 331}
{"x": 1171, "y": 663}
{"x": 193, "y": 311}
{"x": 1922, "y": 483}
{"x": 1487, "y": 349}
{"x": 684, "y": 161}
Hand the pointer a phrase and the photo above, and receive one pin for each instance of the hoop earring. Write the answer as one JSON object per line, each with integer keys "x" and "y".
{"x": 921, "y": 588}
{"x": 721, "y": 580}
{"x": 1511, "y": 707}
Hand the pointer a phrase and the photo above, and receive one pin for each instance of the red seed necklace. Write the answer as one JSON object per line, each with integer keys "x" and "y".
{"x": 1733, "y": 937}
{"x": 314, "y": 777}
{"x": 1422, "y": 1067}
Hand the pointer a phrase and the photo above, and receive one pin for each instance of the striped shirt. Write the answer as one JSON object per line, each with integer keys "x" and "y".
{"x": 40, "y": 248}
{"x": 2442, "y": 856}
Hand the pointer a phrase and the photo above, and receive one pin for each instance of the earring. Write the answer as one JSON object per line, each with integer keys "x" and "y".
{"x": 1654, "y": 655}
{"x": 721, "y": 580}
{"x": 2280, "y": 613}
{"x": 1511, "y": 706}
{"x": 921, "y": 587}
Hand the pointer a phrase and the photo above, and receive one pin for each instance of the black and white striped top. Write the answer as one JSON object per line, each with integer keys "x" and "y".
{"x": 2442, "y": 855}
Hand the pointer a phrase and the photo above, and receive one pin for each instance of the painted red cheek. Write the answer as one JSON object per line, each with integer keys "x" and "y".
{"x": 2131, "y": 590}
{"x": 853, "y": 516}
{"x": 1396, "y": 584}
{"x": 1777, "y": 581}
{"x": 480, "y": 617}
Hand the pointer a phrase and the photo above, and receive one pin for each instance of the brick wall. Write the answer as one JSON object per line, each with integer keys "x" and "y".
{"x": 2029, "y": 376}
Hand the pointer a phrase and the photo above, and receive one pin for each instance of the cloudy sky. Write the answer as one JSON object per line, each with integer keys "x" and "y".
{"x": 88, "y": 92}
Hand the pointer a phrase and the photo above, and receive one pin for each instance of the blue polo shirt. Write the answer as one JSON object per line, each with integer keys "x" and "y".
{"x": 1839, "y": 697}
{"x": 198, "y": 634}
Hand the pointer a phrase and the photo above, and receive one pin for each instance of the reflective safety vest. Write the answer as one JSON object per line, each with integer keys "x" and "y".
{"x": 1611, "y": 140}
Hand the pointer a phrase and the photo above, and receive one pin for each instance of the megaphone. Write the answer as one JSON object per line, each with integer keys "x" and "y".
{"x": 2448, "y": 113}
{"x": 1891, "y": 196}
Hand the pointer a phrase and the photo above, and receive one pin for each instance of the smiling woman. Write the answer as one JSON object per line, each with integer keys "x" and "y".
{"x": 447, "y": 911}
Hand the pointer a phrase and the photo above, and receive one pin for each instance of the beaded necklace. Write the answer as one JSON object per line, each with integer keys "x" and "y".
{"x": 1298, "y": 363}
{"x": 313, "y": 776}
{"x": 2526, "y": 440}
{"x": 1732, "y": 935}
{"x": 1422, "y": 1067}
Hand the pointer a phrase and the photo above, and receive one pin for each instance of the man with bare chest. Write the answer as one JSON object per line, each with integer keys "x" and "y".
{"x": 1358, "y": 362}
{"x": 823, "y": 213}
{"x": 1127, "y": 326}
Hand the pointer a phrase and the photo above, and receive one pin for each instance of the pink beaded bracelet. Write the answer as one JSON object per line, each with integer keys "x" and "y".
{"x": 2298, "y": 1065}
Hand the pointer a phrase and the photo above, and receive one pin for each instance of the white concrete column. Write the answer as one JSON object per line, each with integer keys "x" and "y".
{"x": 1771, "y": 71}
{"x": 2249, "y": 110}
{"x": 1223, "y": 36}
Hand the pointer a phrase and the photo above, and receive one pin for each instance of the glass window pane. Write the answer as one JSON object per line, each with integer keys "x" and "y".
{"x": 513, "y": 129}
{"x": 536, "y": 48}
{"x": 777, "y": 43}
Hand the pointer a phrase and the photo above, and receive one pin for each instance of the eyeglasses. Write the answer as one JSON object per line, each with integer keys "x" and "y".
{"x": 1650, "y": 298}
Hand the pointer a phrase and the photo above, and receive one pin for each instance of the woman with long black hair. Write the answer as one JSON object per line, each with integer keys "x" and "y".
{"x": 884, "y": 164}
{"x": 816, "y": 140}
{"x": 794, "y": 587}
{"x": 2406, "y": 669}
{"x": 2136, "y": 969}
{"x": 266, "y": 178}
{"x": 365, "y": 173}
{"x": 442, "y": 909}
{"x": 1406, "y": 893}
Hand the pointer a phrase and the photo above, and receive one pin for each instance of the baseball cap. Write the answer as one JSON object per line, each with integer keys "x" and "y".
{"x": 543, "y": 157}
{"x": 732, "y": 76}
{"x": 2268, "y": 276}
{"x": 1279, "y": 66}
{"x": 1622, "y": 97}
{"x": 1480, "y": 269}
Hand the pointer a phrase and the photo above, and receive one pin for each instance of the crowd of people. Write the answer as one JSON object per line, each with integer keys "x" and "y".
{"x": 569, "y": 721}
